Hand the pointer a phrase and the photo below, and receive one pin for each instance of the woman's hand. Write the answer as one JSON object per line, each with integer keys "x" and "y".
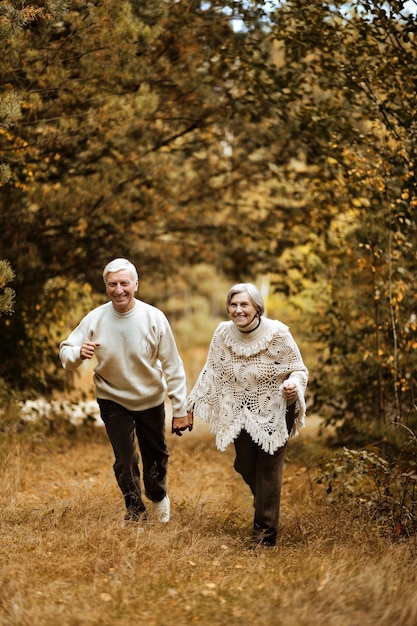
{"x": 290, "y": 392}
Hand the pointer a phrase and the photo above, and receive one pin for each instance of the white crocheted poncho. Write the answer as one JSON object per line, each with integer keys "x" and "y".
{"x": 240, "y": 385}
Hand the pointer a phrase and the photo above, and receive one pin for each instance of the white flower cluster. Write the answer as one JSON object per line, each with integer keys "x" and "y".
{"x": 76, "y": 412}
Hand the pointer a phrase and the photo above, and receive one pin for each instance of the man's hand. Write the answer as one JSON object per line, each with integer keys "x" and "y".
{"x": 87, "y": 349}
{"x": 180, "y": 424}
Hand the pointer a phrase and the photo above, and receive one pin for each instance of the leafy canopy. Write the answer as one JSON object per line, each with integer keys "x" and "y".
{"x": 161, "y": 132}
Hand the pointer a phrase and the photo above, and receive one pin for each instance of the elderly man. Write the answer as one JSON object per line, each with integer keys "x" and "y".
{"x": 137, "y": 363}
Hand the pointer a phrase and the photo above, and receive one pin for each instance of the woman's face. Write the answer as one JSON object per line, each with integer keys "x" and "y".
{"x": 241, "y": 309}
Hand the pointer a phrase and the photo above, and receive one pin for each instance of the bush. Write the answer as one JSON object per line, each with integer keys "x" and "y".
{"x": 380, "y": 490}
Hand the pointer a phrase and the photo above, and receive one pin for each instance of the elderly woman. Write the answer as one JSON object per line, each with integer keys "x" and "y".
{"x": 251, "y": 392}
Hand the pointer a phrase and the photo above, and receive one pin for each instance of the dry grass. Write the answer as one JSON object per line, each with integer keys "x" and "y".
{"x": 68, "y": 559}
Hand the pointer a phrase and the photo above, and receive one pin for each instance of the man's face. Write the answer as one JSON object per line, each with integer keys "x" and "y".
{"x": 121, "y": 288}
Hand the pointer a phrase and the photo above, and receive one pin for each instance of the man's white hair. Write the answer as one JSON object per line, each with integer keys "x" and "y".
{"x": 120, "y": 264}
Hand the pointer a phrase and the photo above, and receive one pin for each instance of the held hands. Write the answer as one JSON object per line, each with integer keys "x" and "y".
{"x": 180, "y": 424}
{"x": 87, "y": 349}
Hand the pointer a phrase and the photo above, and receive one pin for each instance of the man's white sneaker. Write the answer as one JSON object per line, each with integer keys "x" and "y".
{"x": 162, "y": 510}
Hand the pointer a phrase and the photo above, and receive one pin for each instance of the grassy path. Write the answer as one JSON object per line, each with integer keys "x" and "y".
{"x": 67, "y": 559}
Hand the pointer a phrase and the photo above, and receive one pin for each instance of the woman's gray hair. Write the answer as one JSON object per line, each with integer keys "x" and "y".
{"x": 120, "y": 264}
{"x": 254, "y": 295}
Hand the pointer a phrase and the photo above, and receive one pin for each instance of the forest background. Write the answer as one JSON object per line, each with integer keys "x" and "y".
{"x": 216, "y": 142}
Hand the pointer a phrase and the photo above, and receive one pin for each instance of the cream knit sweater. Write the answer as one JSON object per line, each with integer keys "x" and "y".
{"x": 137, "y": 360}
{"x": 240, "y": 386}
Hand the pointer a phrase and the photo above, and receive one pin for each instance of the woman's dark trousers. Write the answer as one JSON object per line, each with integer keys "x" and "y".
{"x": 149, "y": 426}
{"x": 263, "y": 473}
